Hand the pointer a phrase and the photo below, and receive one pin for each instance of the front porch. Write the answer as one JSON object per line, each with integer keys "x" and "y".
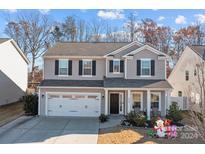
{"x": 151, "y": 102}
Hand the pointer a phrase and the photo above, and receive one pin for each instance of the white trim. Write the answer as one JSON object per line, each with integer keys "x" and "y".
{"x": 156, "y": 93}
{"x": 148, "y": 104}
{"x": 87, "y": 60}
{"x": 117, "y": 60}
{"x": 113, "y": 92}
{"x": 145, "y": 59}
{"x": 148, "y": 48}
{"x": 125, "y": 68}
{"x": 77, "y": 93}
{"x": 141, "y": 99}
{"x": 106, "y": 101}
{"x": 63, "y": 75}
{"x": 39, "y": 101}
{"x": 124, "y": 47}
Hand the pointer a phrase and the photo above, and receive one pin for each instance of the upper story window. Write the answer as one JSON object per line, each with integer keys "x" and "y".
{"x": 145, "y": 67}
{"x": 63, "y": 67}
{"x": 186, "y": 75}
{"x": 87, "y": 67}
{"x": 116, "y": 66}
{"x": 180, "y": 93}
{"x": 194, "y": 72}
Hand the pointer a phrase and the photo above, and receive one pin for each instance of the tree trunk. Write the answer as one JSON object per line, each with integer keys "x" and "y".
{"x": 33, "y": 72}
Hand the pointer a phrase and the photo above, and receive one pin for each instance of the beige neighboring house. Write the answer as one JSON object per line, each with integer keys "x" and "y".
{"x": 184, "y": 79}
{"x": 89, "y": 79}
{"x": 13, "y": 72}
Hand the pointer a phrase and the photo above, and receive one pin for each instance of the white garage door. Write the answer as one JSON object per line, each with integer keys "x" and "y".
{"x": 73, "y": 104}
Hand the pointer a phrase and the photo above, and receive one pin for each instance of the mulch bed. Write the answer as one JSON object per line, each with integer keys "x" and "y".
{"x": 122, "y": 135}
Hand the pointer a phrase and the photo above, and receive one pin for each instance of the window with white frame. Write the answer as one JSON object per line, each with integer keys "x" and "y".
{"x": 155, "y": 100}
{"x": 87, "y": 67}
{"x": 186, "y": 75}
{"x": 63, "y": 67}
{"x": 116, "y": 66}
{"x": 145, "y": 67}
{"x": 137, "y": 100}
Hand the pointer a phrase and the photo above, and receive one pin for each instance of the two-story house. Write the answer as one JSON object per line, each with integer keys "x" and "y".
{"x": 184, "y": 78}
{"x": 87, "y": 79}
{"x": 13, "y": 72}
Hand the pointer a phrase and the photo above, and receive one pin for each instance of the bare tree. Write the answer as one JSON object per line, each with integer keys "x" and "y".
{"x": 191, "y": 35}
{"x": 32, "y": 34}
{"x": 57, "y": 33}
{"x": 70, "y": 29}
{"x": 81, "y": 30}
{"x": 96, "y": 29}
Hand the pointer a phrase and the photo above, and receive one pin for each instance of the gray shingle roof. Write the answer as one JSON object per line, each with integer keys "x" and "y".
{"x": 2, "y": 40}
{"x": 72, "y": 83}
{"x": 199, "y": 49}
{"x": 135, "y": 83}
{"x": 83, "y": 49}
{"x": 108, "y": 83}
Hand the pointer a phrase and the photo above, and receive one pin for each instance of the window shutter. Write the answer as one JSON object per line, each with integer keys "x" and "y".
{"x": 93, "y": 67}
{"x": 70, "y": 67}
{"x": 111, "y": 66}
{"x": 138, "y": 67}
{"x": 121, "y": 66}
{"x": 152, "y": 67}
{"x": 80, "y": 67}
{"x": 56, "y": 66}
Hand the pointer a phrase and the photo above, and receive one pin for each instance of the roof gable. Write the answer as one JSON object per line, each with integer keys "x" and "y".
{"x": 125, "y": 49}
{"x": 148, "y": 47}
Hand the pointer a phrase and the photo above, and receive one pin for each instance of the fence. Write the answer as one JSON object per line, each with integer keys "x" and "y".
{"x": 181, "y": 101}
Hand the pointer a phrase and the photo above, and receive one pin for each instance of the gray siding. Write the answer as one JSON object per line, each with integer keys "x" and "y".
{"x": 49, "y": 70}
{"x": 159, "y": 65}
{"x": 44, "y": 90}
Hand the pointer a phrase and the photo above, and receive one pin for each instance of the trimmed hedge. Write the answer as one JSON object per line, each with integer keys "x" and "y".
{"x": 30, "y": 104}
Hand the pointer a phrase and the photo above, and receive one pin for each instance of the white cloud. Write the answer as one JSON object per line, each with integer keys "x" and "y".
{"x": 180, "y": 19}
{"x": 200, "y": 18}
{"x": 11, "y": 10}
{"x": 161, "y": 18}
{"x": 44, "y": 11}
{"x": 111, "y": 14}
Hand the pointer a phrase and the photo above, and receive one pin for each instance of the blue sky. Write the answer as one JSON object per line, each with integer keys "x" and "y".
{"x": 173, "y": 18}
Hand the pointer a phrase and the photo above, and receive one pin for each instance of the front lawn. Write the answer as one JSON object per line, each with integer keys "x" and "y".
{"x": 122, "y": 135}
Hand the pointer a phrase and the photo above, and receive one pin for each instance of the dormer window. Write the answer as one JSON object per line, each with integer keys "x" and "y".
{"x": 145, "y": 67}
{"x": 116, "y": 66}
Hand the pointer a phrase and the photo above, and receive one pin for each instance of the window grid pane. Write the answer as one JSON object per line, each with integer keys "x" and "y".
{"x": 63, "y": 67}
{"x": 87, "y": 67}
{"x": 146, "y": 67}
{"x": 116, "y": 66}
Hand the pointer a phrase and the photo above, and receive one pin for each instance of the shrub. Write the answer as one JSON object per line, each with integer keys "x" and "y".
{"x": 174, "y": 113}
{"x": 30, "y": 104}
{"x": 153, "y": 121}
{"x": 103, "y": 118}
{"x": 136, "y": 119}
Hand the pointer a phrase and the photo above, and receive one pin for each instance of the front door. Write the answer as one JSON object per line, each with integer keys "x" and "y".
{"x": 114, "y": 103}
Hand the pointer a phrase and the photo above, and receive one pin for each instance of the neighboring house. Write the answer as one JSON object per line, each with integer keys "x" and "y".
{"x": 87, "y": 79}
{"x": 184, "y": 78}
{"x": 13, "y": 72}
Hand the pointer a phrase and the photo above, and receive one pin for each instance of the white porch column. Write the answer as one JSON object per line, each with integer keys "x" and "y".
{"x": 106, "y": 102}
{"x": 129, "y": 104}
{"x": 168, "y": 98}
{"x": 148, "y": 104}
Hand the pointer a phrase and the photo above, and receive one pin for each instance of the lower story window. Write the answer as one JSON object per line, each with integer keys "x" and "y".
{"x": 136, "y": 100}
{"x": 155, "y": 99}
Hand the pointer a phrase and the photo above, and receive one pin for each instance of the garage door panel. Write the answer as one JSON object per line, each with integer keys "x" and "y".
{"x": 84, "y": 105}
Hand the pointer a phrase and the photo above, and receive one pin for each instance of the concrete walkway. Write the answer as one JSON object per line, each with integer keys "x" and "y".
{"x": 51, "y": 130}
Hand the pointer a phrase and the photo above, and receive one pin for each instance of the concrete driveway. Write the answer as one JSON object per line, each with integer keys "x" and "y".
{"x": 58, "y": 130}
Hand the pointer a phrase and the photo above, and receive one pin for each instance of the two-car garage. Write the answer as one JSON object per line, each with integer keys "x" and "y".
{"x": 73, "y": 104}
